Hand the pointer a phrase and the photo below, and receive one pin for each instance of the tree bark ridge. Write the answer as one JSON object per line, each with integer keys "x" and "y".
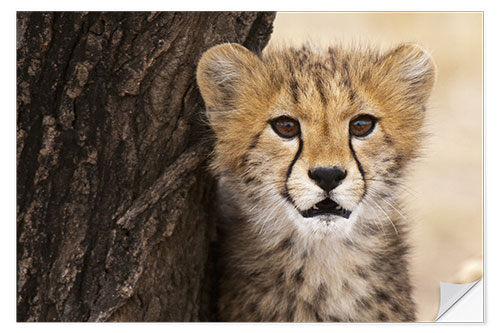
{"x": 114, "y": 202}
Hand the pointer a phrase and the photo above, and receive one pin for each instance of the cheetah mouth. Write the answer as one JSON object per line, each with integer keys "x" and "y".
{"x": 326, "y": 207}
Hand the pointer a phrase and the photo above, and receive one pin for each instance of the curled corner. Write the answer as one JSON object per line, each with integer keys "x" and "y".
{"x": 461, "y": 302}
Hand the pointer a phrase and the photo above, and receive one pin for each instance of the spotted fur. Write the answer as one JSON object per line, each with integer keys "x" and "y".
{"x": 277, "y": 265}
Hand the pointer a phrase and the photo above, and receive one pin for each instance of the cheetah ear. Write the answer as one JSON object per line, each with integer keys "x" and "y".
{"x": 411, "y": 71}
{"x": 221, "y": 72}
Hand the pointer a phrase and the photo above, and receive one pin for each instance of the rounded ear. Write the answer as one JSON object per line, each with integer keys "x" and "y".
{"x": 221, "y": 70}
{"x": 411, "y": 71}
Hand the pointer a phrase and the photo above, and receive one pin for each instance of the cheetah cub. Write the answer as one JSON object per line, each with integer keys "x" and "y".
{"x": 311, "y": 147}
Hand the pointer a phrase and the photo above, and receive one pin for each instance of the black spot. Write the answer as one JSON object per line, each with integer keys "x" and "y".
{"x": 345, "y": 285}
{"x": 352, "y": 95}
{"x": 332, "y": 52}
{"x": 334, "y": 319}
{"x": 401, "y": 289}
{"x": 320, "y": 294}
{"x": 305, "y": 254}
{"x": 387, "y": 159}
{"x": 393, "y": 170}
{"x": 286, "y": 244}
{"x": 366, "y": 77}
{"x": 290, "y": 311}
{"x": 318, "y": 317}
{"x": 249, "y": 179}
{"x": 244, "y": 159}
{"x": 289, "y": 65}
{"x": 303, "y": 55}
{"x": 395, "y": 307}
{"x": 364, "y": 303}
{"x": 361, "y": 273}
{"x": 347, "y": 242}
{"x": 308, "y": 306}
{"x": 380, "y": 264}
{"x": 254, "y": 275}
{"x": 253, "y": 307}
{"x": 390, "y": 182}
{"x": 399, "y": 158}
{"x": 254, "y": 142}
{"x": 294, "y": 87}
{"x": 321, "y": 90}
{"x": 381, "y": 295}
{"x": 346, "y": 81}
{"x": 384, "y": 195}
{"x": 281, "y": 278}
{"x": 382, "y": 317}
{"x": 409, "y": 317}
{"x": 274, "y": 317}
{"x": 276, "y": 79}
{"x": 265, "y": 289}
{"x": 298, "y": 277}
{"x": 401, "y": 250}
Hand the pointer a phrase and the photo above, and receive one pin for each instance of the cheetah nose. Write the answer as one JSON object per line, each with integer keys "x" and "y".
{"x": 327, "y": 178}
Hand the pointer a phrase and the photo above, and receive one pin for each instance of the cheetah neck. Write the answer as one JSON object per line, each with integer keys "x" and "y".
{"x": 281, "y": 272}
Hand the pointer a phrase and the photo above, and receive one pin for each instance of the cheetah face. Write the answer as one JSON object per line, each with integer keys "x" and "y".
{"x": 324, "y": 179}
{"x": 317, "y": 139}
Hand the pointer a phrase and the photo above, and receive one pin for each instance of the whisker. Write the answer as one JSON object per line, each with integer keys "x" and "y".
{"x": 383, "y": 211}
{"x": 374, "y": 210}
{"x": 398, "y": 210}
{"x": 400, "y": 185}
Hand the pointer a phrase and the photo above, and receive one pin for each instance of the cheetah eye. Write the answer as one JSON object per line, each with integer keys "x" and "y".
{"x": 362, "y": 125}
{"x": 285, "y": 127}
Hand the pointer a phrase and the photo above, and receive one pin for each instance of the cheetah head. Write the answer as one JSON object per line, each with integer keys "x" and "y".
{"x": 320, "y": 138}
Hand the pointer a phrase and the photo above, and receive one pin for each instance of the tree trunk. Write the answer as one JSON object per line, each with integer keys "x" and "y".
{"x": 114, "y": 201}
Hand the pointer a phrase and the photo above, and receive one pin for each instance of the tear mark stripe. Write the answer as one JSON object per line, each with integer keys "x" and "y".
{"x": 360, "y": 167}
{"x": 290, "y": 168}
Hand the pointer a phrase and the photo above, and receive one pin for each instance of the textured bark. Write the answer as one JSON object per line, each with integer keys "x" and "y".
{"x": 114, "y": 202}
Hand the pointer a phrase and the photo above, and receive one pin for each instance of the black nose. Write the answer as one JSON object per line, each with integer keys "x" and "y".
{"x": 327, "y": 178}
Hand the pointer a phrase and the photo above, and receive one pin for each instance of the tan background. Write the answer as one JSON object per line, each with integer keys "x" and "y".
{"x": 446, "y": 205}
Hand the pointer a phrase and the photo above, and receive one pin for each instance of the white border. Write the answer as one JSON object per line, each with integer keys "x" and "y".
{"x": 260, "y": 5}
{"x": 491, "y": 131}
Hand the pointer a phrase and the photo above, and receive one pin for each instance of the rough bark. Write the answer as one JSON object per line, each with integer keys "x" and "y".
{"x": 114, "y": 201}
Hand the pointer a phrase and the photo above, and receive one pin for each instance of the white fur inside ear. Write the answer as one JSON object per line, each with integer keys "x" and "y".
{"x": 224, "y": 69}
{"x": 225, "y": 63}
{"x": 220, "y": 71}
{"x": 417, "y": 63}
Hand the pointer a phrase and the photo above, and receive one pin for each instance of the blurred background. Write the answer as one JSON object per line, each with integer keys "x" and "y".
{"x": 446, "y": 202}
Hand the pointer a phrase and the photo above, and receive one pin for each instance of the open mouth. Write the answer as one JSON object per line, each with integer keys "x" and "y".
{"x": 326, "y": 207}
